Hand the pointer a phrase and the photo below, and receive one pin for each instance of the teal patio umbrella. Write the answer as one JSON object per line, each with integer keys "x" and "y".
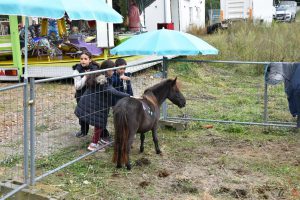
{"x": 164, "y": 42}
{"x": 55, "y": 9}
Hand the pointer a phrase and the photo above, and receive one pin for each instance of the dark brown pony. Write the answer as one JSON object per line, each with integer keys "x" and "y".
{"x": 133, "y": 116}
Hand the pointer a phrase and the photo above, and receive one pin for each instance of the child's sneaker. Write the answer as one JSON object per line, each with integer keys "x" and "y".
{"x": 93, "y": 147}
{"x": 105, "y": 141}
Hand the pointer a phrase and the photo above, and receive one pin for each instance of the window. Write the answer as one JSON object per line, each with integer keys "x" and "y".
{"x": 191, "y": 15}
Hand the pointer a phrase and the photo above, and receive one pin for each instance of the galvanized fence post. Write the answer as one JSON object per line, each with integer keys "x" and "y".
{"x": 165, "y": 75}
{"x": 26, "y": 105}
{"x": 32, "y": 131}
{"x": 25, "y": 128}
{"x": 265, "y": 96}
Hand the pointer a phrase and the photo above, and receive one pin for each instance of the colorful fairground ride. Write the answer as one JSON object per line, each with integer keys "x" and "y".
{"x": 53, "y": 45}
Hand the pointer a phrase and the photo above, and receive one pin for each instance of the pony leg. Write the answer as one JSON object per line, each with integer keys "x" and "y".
{"x": 119, "y": 165}
{"x": 130, "y": 141}
{"x": 155, "y": 140}
{"x": 142, "y": 142}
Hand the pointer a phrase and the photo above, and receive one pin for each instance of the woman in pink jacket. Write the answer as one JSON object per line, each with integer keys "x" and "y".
{"x": 134, "y": 17}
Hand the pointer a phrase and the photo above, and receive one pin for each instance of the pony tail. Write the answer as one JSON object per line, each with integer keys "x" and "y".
{"x": 121, "y": 137}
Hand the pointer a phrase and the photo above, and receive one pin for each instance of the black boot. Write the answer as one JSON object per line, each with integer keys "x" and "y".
{"x": 79, "y": 134}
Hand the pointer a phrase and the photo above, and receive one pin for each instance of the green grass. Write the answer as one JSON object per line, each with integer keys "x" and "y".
{"x": 223, "y": 93}
{"x": 247, "y": 42}
{"x": 11, "y": 161}
{"x": 298, "y": 17}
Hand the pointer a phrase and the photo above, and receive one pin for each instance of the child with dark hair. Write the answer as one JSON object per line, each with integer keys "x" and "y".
{"x": 121, "y": 79}
{"x": 93, "y": 107}
{"x": 86, "y": 64}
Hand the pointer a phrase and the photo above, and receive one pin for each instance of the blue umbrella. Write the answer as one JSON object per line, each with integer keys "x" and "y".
{"x": 164, "y": 42}
{"x": 55, "y": 9}
{"x": 91, "y": 10}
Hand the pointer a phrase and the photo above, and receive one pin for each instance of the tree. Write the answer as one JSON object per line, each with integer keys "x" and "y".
{"x": 212, "y": 4}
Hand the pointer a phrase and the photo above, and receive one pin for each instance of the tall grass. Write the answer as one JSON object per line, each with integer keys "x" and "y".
{"x": 245, "y": 41}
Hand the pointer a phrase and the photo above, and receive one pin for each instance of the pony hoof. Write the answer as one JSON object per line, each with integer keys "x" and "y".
{"x": 158, "y": 152}
{"x": 141, "y": 150}
{"x": 128, "y": 167}
{"x": 119, "y": 166}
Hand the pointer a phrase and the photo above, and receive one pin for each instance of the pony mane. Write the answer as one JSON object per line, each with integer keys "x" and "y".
{"x": 149, "y": 96}
{"x": 159, "y": 90}
{"x": 157, "y": 86}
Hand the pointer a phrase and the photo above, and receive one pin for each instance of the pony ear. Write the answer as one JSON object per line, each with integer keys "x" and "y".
{"x": 174, "y": 81}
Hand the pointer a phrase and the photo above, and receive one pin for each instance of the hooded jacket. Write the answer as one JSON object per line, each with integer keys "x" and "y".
{"x": 290, "y": 73}
{"x": 292, "y": 88}
{"x": 79, "y": 81}
{"x": 94, "y": 104}
{"x": 118, "y": 83}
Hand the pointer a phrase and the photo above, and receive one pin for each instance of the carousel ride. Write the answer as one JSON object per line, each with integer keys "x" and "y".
{"x": 52, "y": 40}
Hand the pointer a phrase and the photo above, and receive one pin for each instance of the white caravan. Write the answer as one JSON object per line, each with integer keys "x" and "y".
{"x": 259, "y": 10}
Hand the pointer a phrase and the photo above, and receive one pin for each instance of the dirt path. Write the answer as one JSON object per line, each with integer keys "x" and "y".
{"x": 207, "y": 165}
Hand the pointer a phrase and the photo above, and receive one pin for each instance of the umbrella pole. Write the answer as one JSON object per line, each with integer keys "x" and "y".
{"x": 165, "y": 67}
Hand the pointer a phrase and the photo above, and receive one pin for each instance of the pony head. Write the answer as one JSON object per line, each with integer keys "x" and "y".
{"x": 175, "y": 96}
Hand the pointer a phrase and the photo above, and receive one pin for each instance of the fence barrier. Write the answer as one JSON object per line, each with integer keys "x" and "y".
{"x": 37, "y": 117}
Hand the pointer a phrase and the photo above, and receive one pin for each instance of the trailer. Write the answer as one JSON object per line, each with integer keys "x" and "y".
{"x": 257, "y": 10}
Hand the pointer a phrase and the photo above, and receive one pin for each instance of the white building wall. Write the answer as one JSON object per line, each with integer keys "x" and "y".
{"x": 240, "y": 9}
{"x": 192, "y": 14}
{"x": 263, "y": 10}
{"x": 200, "y": 13}
{"x": 175, "y": 14}
{"x": 154, "y": 14}
{"x": 184, "y": 13}
{"x": 105, "y": 32}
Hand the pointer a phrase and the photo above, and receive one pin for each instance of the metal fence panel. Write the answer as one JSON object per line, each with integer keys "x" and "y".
{"x": 224, "y": 96}
{"x": 56, "y": 123}
{"x": 230, "y": 96}
{"x": 13, "y": 166}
